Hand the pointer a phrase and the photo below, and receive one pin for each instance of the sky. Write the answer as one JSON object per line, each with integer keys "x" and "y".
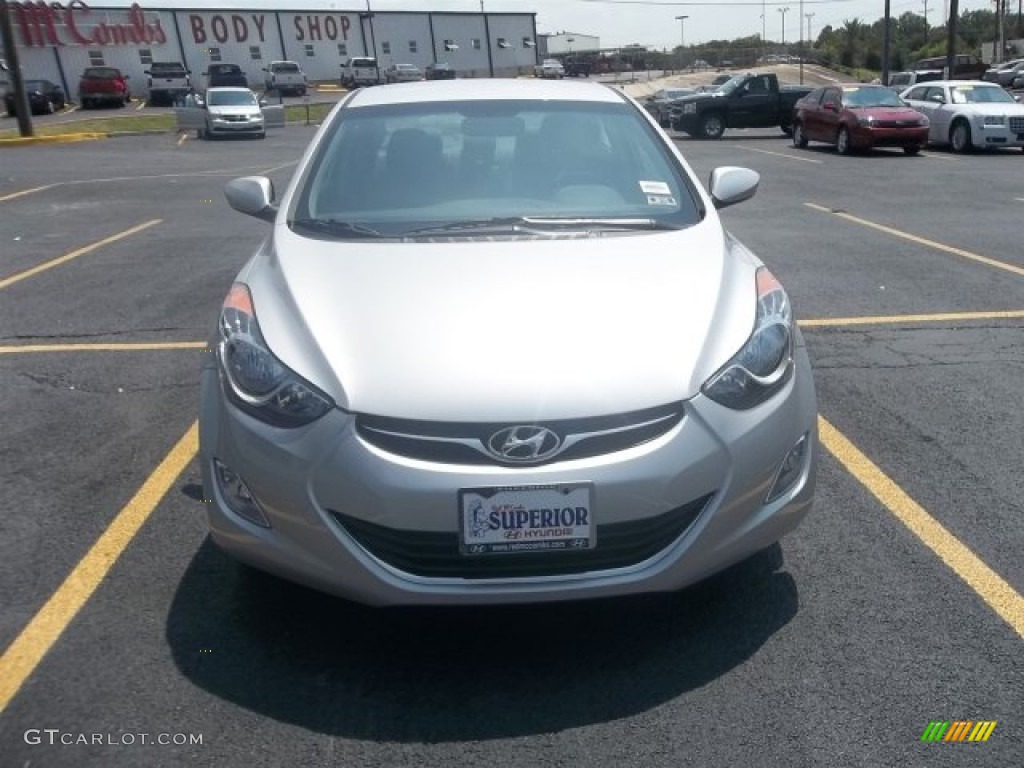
{"x": 622, "y": 22}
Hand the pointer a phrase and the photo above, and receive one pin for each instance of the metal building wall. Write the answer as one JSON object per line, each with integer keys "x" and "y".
{"x": 319, "y": 41}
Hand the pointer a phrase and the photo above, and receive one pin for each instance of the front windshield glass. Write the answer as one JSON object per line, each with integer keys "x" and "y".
{"x": 231, "y": 99}
{"x": 871, "y": 97}
{"x": 980, "y": 94}
{"x": 401, "y": 167}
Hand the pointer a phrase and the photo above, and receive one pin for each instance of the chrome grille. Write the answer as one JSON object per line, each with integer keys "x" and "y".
{"x": 1017, "y": 124}
{"x": 466, "y": 443}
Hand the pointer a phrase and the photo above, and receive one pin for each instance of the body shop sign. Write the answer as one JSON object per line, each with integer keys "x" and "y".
{"x": 42, "y": 24}
{"x": 249, "y": 28}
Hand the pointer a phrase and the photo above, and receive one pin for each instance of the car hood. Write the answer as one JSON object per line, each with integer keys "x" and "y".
{"x": 471, "y": 330}
{"x": 220, "y": 111}
{"x": 1010, "y": 110}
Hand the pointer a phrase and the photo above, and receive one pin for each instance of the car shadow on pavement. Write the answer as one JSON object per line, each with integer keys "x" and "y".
{"x": 456, "y": 674}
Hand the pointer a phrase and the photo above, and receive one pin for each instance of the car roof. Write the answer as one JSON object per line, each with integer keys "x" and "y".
{"x": 484, "y": 90}
{"x": 228, "y": 89}
{"x": 985, "y": 83}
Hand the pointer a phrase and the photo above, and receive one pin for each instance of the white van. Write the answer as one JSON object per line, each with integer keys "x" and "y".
{"x": 359, "y": 71}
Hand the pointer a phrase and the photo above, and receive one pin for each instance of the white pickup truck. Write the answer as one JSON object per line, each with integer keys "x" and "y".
{"x": 285, "y": 77}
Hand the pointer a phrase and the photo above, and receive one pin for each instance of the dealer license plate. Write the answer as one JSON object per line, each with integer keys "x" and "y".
{"x": 538, "y": 518}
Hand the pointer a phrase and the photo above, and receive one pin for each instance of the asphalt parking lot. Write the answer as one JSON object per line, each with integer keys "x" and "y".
{"x": 897, "y": 603}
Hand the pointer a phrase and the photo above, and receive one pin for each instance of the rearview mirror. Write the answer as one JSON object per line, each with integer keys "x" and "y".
{"x": 729, "y": 185}
{"x": 252, "y": 195}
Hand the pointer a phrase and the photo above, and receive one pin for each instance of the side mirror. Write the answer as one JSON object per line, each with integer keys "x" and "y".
{"x": 729, "y": 185}
{"x": 252, "y": 195}
{"x": 831, "y": 106}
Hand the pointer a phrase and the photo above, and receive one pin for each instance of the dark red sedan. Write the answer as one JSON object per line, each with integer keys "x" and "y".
{"x": 855, "y": 117}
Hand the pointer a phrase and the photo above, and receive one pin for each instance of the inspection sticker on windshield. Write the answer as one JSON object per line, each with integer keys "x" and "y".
{"x": 655, "y": 188}
{"x": 538, "y": 518}
{"x": 661, "y": 200}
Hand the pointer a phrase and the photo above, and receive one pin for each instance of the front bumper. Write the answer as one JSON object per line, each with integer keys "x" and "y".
{"x": 233, "y": 128}
{"x": 1005, "y": 135}
{"x": 309, "y": 480}
{"x": 866, "y": 136}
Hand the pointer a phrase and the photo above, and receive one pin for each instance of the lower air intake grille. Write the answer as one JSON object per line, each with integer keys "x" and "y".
{"x": 436, "y": 555}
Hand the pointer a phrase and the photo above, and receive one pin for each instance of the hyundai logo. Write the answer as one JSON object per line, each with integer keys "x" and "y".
{"x": 524, "y": 444}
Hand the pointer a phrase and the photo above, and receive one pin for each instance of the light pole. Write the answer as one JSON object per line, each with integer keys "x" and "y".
{"x": 570, "y": 41}
{"x": 783, "y": 12}
{"x": 682, "y": 40}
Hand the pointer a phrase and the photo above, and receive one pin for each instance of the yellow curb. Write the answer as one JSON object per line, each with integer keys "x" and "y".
{"x": 60, "y": 138}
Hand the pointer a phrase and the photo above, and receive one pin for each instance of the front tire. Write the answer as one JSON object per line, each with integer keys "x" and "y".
{"x": 799, "y": 137}
{"x": 712, "y": 126}
{"x": 843, "y": 143}
{"x": 960, "y": 137}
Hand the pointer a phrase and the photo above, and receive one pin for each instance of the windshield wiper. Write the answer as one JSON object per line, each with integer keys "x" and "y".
{"x": 534, "y": 225}
{"x": 337, "y": 227}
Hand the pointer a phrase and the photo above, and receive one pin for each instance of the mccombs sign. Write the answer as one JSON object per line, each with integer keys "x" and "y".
{"x": 43, "y": 24}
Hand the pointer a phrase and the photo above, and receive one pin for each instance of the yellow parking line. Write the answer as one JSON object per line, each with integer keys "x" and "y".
{"x": 1017, "y": 270}
{"x": 76, "y": 253}
{"x": 183, "y": 138}
{"x": 780, "y": 154}
{"x": 947, "y": 317}
{"x": 988, "y": 584}
{"x": 15, "y": 195}
{"x": 33, "y": 643}
{"x": 141, "y": 105}
{"x": 938, "y": 157}
{"x": 154, "y": 346}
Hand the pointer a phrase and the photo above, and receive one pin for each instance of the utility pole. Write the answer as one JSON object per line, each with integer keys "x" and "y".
{"x": 21, "y": 104}
{"x": 682, "y": 40}
{"x": 800, "y": 50}
{"x": 764, "y": 30}
{"x": 886, "y": 43}
{"x": 925, "y": 3}
{"x": 954, "y": 14}
{"x": 1001, "y": 27}
{"x": 783, "y": 10}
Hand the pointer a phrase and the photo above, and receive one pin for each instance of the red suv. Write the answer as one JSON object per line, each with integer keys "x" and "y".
{"x": 103, "y": 85}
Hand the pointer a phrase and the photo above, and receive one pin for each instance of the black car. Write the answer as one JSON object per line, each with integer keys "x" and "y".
{"x": 44, "y": 98}
{"x": 439, "y": 71}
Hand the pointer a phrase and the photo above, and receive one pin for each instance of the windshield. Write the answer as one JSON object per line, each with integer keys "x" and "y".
{"x": 401, "y": 167}
{"x": 231, "y": 99}
{"x": 980, "y": 94}
{"x": 36, "y": 85}
{"x": 101, "y": 72}
{"x": 871, "y": 97}
{"x": 285, "y": 67}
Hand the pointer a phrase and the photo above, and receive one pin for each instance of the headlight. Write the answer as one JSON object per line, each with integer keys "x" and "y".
{"x": 765, "y": 362}
{"x": 255, "y": 380}
{"x": 923, "y": 121}
{"x": 219, "y": 119}
{"x": 866, "y": 120}
{"x": 689, "y": 109}
{"x": 995, "y": 120}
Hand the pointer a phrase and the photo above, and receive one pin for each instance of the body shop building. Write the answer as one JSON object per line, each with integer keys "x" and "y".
{"x": 56, "y": 41}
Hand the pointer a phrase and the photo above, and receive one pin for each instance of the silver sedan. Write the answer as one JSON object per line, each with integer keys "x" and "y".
{"x": 499, "y": 348}
{"x": 968, "y": 114}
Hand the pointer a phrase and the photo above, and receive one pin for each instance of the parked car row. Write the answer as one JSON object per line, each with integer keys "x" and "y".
{"x": 960, "y": 114}
{"x": 362, "y": 71}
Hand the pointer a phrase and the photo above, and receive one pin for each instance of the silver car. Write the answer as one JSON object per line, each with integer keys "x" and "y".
{"x": 403, "y": 73}
{"x": 497, "y": 347}
{"x": 968, "y": 114}
{"x": 223, "y": 111}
